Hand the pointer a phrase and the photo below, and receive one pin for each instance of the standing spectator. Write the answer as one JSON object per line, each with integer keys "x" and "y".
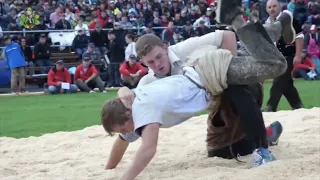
{"x": 42, "y": 54}
{"x": 131, "y": 71}
{"x": 314, "y": 54}
{"x": 116, "y": 56}
{"x": 87, "y": 77}
{"x": 27, "y": 52}
{"x": 80, "y": 43}
{"x": 16, "y": 63}
{"x": 58, "y": 75}
{"x": 98, "y": 38}
{"x": 131, "y": 47}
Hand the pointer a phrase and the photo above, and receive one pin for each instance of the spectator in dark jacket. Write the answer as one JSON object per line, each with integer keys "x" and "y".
{"x": 42, "y": 54}
{"x": 188, "y": 31}
{"x": 116, "y": 56}
{"x": 62, "y": 23}
{"x": 98, "y": 38}
{"x": 80, "y": 43}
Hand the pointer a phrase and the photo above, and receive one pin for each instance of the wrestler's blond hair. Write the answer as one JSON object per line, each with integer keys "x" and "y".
{"x": 114, "y": 112}
{"x": 146, "y": 43}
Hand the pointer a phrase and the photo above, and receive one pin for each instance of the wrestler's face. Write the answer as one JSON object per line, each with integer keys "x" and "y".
{"x": 127, "y": 127}
{"x": 158, "y": 60}
{"x": 273, "y": 8}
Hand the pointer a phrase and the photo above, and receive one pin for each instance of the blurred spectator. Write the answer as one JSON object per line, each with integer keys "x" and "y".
{"x": 167, "y": 34}
{"x": 311, "y": 34}
{"x": 80, "y": 43}
{"x": 188, "y": 31}
{"x": 58, "y": 75}
{"x": 300, "y": 11}
{"x": 1, "y": 34}
{"x": 131, "y": 47}
{"x": 83, "y": 27}
{"x": 94, "y": 55}
{"x": 116, "y": 56}
{"x": 62, "y": 24}
{"x": 27, "y": 52}
{"x": 42, "y": 53}
{"x": 55, "y": 16}
{"x": 16, "y": 62}
{"x": 291, "y": 6}
{"x": 87, "y": 77}
{"x": 314, "y": 13}
{"x": 202, "y": 29}
{"x": 147, "y": 30}
{"x": 202, "y": 20}
{"x": 131, "y": 71}
{"x": 303, "y": 69}
{"x": 314, "y": 54}
{"x": 98, "y": 38}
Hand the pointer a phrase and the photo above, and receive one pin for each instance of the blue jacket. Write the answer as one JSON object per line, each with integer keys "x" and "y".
{"x": 14, "y": 56}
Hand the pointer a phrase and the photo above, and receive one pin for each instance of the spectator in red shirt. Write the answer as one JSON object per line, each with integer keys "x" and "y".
{"x": 131, "y": 71}
{"x": 302, "y": 69}
{"x": 58, "y": 75}
{"x": 87, "y": 77}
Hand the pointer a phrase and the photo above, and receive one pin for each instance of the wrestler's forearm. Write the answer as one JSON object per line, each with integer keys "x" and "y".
{"x": 118, "y": 149}
{"x": 142, "y": 159}
{"x": 299, "y": 47}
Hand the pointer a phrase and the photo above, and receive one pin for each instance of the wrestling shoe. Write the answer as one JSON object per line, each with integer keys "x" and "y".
{"x": 261, "y": 156}
{"x": 273, "y": 133}
{"x": 227, "y": 11}
{"x": 288, "y": 31}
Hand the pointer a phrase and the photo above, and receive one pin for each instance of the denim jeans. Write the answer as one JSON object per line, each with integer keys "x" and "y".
{"x": 44, "y": 65}
{"x": 56, "y": 89}
{"x": 80, "y": 51}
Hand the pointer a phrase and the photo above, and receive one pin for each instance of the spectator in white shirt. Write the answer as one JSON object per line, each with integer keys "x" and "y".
{"x": 131, "y": 48}
{"x": 83, "y": 27}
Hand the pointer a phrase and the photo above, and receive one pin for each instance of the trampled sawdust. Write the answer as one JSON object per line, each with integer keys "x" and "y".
{"x": 181, "y": 154}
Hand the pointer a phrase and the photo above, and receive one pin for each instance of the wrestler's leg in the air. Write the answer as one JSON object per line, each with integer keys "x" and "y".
{"x": 265, "y": 60}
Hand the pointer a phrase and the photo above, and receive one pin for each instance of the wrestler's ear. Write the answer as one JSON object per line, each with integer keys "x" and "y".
{"x": 165, "y": 46}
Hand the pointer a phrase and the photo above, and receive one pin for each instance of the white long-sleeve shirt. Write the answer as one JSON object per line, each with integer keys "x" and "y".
{"x": 84, "y": 28}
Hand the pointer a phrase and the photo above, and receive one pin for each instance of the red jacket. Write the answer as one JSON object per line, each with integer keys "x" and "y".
{"x": 306, "y": 64}
{"x": 126, "y": 69}
{"x": 58, "y": 76}
{"x": 100, "y": 21}
{"x": 80, "y": 74}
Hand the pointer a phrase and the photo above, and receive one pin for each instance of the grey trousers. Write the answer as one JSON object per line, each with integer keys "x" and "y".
{"x": 265, "y": 60}
{"x": 87, "y": 87}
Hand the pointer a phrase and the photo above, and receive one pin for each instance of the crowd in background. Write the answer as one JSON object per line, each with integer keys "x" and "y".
{"x": 172, "y": 20}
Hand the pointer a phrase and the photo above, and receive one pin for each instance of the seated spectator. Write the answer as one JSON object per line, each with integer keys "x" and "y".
{"x": 311, "y": 34}
{"x": 167, "y": 34}
{"x": 83, "y": 27}
{"x": 177, "y": 37}
{"x": 301, "y": 70}
{"x": 131, "y": 72}
{"x": 314, "y": 11}
{"x": 62, "y": 23}
{"x": 80, "y": 43}
{"x": 87, "y": 77}
{"x": 27, "y": 52}
{"x": 291, "y": 5}
{"x": 42, "y": 53}
{"x": 93, "y": 54}
{"x": 202, "y": 29}
{"x": 314, "y": 54}
{"x": 58, "y": 75}
{"x": 147, "y": 30}
{"x": 188, "y": 31}
{"x": 300, "y": 11}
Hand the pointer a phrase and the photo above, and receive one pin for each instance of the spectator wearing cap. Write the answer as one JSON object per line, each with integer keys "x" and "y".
{"x": 116, "y": 56}
{"x": 80, "y": 43}
{"x": 94, "y": 55}
{"x": 98, "y": 38}
{"x": 131, "y": 72}
{"x": 58, "y": 75}
{"x": 62, "y": 23}
{"x": 16, "y": 62}
{"x": 87, "y": 77}
{"x": 42, "y": 53}
{"x": 83, "y": 27}
{"x": 188, "y": 31}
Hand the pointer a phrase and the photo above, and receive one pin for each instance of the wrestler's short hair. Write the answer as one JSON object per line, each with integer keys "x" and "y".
{"x": 113, "y": 113}
{"x": 146, "y": 43}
